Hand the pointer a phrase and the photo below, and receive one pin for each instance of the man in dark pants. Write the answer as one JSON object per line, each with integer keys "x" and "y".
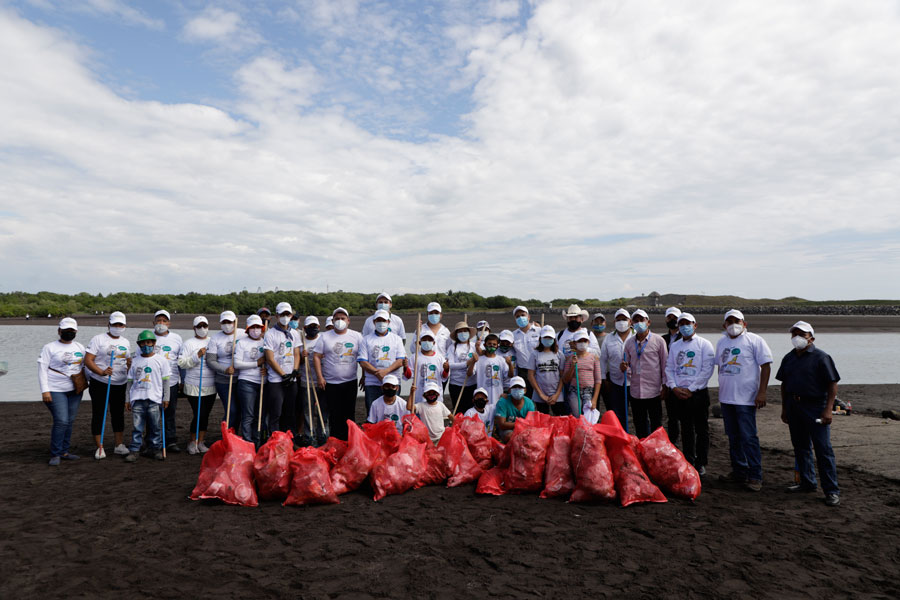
{"x": 808, "y": 389}
{"x": 688, "y": 369}
{"x": 673, "y": 313}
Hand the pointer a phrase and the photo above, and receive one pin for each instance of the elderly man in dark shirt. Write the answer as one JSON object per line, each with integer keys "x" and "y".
{"x": 808, "y": 389}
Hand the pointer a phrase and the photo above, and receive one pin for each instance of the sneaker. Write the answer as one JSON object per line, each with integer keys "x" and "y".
{"x": 121, "y": 450}
{"x": 832, "y": 499}
{"x": 203, "y": 448}
{"x": 70, "y": 456}
{"x": 99, "y": 454}
{"x": 192, "y": 448}
{"x": 800, "y": 488}
{"x": 131, "y": 457}
{"x": 173, "y": 448}
{"x": 54, "y": 461}
{"x": 732, "y": 477}
{"x": 158, "y": 455}
{"x": 754, "y": 485}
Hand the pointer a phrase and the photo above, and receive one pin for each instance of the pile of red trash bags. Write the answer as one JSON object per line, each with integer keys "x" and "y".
{"x": 553, "y": 456}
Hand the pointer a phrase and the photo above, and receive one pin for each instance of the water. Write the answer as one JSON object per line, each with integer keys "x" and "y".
{"x": 860, "y": 357}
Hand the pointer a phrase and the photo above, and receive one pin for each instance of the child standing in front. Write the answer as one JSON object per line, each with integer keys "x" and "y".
{"x": 431, "y": 412}
{"x": 482, "y": 410}
{"x": 147, "y": 391}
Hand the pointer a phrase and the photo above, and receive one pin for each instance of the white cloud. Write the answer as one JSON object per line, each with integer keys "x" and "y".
{"x": 222, "y": 27}
{"x": 118, "y": 9}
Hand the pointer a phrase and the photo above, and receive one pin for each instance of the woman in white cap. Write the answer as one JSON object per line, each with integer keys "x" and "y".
{"x": 440, "y": 333}
{"x": 311, "y": 339}
{"x": 544, "y": 371}
{"x": 250, "y": 362}
{"x": 168, "y": 344}
{"x": 60, "y": 369}
{"x": 335, "y": 360}
{"x": 283, "y": 349}
{"x": 395, "y": 325}
{"x": 219, "y": 359}
{"x": 381, "y": 354}
{"x": 108, "y": 358}
{"x": 461, "y": 357}
{"x": 196, "y": 389}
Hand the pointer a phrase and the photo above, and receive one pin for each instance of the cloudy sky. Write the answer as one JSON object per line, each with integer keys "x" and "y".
{"x": 534, "y": 149}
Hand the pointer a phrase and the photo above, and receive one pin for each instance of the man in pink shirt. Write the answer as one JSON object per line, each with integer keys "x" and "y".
{"x": 645, "y": 366}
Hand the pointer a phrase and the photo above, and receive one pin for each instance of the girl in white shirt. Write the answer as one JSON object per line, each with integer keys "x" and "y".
{"x": 59, "y": 361}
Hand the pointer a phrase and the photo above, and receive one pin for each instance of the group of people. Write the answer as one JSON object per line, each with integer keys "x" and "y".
{"x": 276, "y": 374}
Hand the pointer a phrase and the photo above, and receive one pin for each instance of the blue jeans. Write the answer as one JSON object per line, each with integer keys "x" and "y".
{"x": 743, "y": 443}
{"x": 64, "y": 407}
{"x": 146, "y": 413}
{"x": 373, "y": 392}
{"x": 222, "y": 389}
{"x": 248, "y": 395}
{"x": 804, "y": 430}
{"x": 171, "y": 437}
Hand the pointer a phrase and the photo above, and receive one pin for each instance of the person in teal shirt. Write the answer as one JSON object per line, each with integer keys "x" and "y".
{"x": 511, "y": 407}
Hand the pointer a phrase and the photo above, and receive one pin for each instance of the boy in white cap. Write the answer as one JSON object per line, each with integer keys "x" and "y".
{"x": 545, "y": 372}
{"x": 525, "y": 339}
{"x": 107, "y": 358}
{"x": 381, "y": 354}
{"x": 482, "y": 409}
{"x": 335, "y": 360}
{"x": 512, "y": 406}
{"x": 432, "y": 412}
{"x": 492, "y": 371}
{"x": 168, "y": 345}
{"x": 219, "y": 360}
{"x": 744, "y": 362}
{"x": 199, "y": 383}
{"x": 283, "y": 347}
{"x": 688, "y": 369}
{"x": 434, "y": 326}
{"x": 645, "y": 360}
{"x": 395, "y": 323}
{"x": 386, "y": 407}
{"x": 148, "y": 392}
{"x": 431, "y": 364}
{"x": 305, "y": 387}
{"x": 250, "y": 362}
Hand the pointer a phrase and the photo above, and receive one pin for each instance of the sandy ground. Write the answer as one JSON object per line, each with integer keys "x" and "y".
{"x": 109, "y": 529}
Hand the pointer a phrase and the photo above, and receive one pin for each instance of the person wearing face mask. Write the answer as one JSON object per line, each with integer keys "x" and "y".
{"x": 612, "y": 354}
{"x": 598, "y": 327}
{"x": 381, "y": 354}
{"x": 218, "y": 359}
{"x": 250, "y": 363}
{"x": 311, "y": 340}
{"x": 432, "y": 365}
{"x": 482, "y": 410}
{"x": 190, "y": 359}
{"x": 395, "y": 323}
{"x": 673, "y": 313}
{"x": 482, "y": 329}
{"x": 265, "y": 314}
{"x": 437, "y": 330}
{"x": 462, "y": 357}
{"x": 329, "y": 324}
{"x": 688, "y": 369}
{"x": 575, "y": 322}
{"x": 672, "y": 419}
{"x": 491, "y": 370}
{"x": 585, "y": 388}
{"x": 387, "y": 407}
{"x": 431, "y": 411}
{"x": 645, "y": 361}
{"x": 147, "y": 390}
{"x": 283, "y": 349}
{"x": 745, "y": 362}
{"x": 335, "y": 361}
{"x": 544, "y": 370}
{"x": 61, "y": 361}
{"x": 809, "y": 382}
{"x": 525, "y": 338}
{"x": 168, "y": 344}
{"x": 512, "y": 406}
{"x": 103, "y": 348}
{"x": 507, "y": 351}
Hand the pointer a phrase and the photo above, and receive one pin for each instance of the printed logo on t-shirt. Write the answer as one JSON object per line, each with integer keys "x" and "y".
{"x": 732, "y": 366}
{"x": 685, "y": 362}
{"x": 431, "y": 373}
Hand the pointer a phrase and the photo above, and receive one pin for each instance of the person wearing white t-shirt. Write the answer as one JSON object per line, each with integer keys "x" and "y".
{"x": 148, "y": 390}
{"x": 199, "y": 383}
{"x": 395, "y": 323}
{"x": 545, "y": 372}
{"x": 306, "y": 387}
{"x": 335, "y": 361}
{"x": 461, "y": 357}
{"x": 58, "y": 362}
{"x": 506, "y": 350}
{"x": 432, "y": 412}
{"x": 381, "y": 354}
{"x": 492, "y": 371}
{"x": 219, "y": 359}
{"x": 439, "y": 333}
{"x": 387, "y": 407}
{"x": 107, "y": 358}
{"x": 283, "y": 349}
{"x": 431, "y": 365}
{"x": 250, "y": 363}
{"x": 482, "y": 410}
{"x": 168, "y": 344}
{"x": 744, "y": 362}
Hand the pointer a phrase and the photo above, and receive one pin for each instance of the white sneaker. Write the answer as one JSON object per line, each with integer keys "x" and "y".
{"x": 121, "y": 450}
{"x": 203, "y": 448}
{"x": 192, "y": 448}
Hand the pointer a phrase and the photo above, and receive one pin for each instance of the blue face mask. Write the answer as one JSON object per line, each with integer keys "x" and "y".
{"x": 383, "y": 306}
{"x": 463, "y": 336}
{"x": 434, "y": 319}
{"x": 517, "y": 393}
{"x": 427, "y": 346}
{"x": 146, "y": 350}
{"x": 640, "y": 327}
{"x": 598, "y": 328}
{"x": 546, "y": 342}
{"x": 294, "y": 324}
{"x": 521, "y": 321}
{"x": 686, "y": 330}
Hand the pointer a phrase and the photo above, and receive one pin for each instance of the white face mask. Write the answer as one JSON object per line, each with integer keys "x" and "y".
{"x": 622, "y": 326}
{"x": 228, "y": 328}
{"x": 201, "y": 331}
{"x": 427, "y": 345}
{"x": 284, "y": 320}
{"x": 735, "y": 329}
{"x": 340, "y": 324}
{"x": 116, "y": 331}
{"x": 254, "y": 332}
{"x": 161, "y": 328}
{"x": 582, "y": 346}
{"x": 799, "y": 342}
{"x": 381, "y": 327}
{"x": 463, "y": 336}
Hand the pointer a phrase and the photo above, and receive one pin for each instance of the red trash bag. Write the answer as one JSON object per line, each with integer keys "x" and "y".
{"x": 310, "y": 479}
{"x": 491, "y": 482}
{"x": 563, "y": 425}
{"x": 632, "y": 483}
{"x": 667, "y": 466}
{"x": 472, "y": 430}
{"x": 332, "y": 450}
{"x": 414, "y": 426}
{"x": 459, "y": 464}
{"x": 356, "y": 463}
{"x": 226, "y": 472}
{"x": 527, "y": 458}
{"x": 558, "y": 477}
{"x": 385, "y": 433}
{"x": 539, "y": 419}
{"x": 272, "y": 466}
{"x": 435, "y": 467}
{"x": 498, "y": 453}
{"x": 590, "y": 464}
{"x": 400, "y": 471}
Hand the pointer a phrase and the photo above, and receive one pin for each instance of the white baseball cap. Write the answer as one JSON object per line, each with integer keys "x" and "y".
{"x": 200, "y": 319}
{"x": 573, "y": 311}
{"x": 622, "y": 311}
{"x": 68, "y": 323}
{"x": 340, "y": 309}
{"x": 480, "y": 390}
{"x": 311, "y": 320}
{"x": 426, "y": 334}
{"x": 581, "y": 334}
{"x": 687, "y": 317}
{"x": 391, "y": 379}
{"x": 516, "y": 382}
{"x": 254, "y": 320}
{"x": 734, "y": 313}
{"x": 433, "y": 306}
{"x": 431, "y": 386}
{"x": 329, "y": 321}
{"x": 283, "y": 307}
{"x": 520, "y": 307}
{"x": 164, "y": 313}
{"x": 548, "y": 331}
{"x": 507, "y": 336}
{"x": 483, "y": 325}
{"x": 227, "y": 316}
{"x": 382, "y": 314}
{"x": 803, "y": 326}
{"x": 598, "y": 316}
{"x": 673, "y": 310}
{"x": 384, "y": 295}
{"x": 117, "y": 317}
{"x": 640, "y": 313}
